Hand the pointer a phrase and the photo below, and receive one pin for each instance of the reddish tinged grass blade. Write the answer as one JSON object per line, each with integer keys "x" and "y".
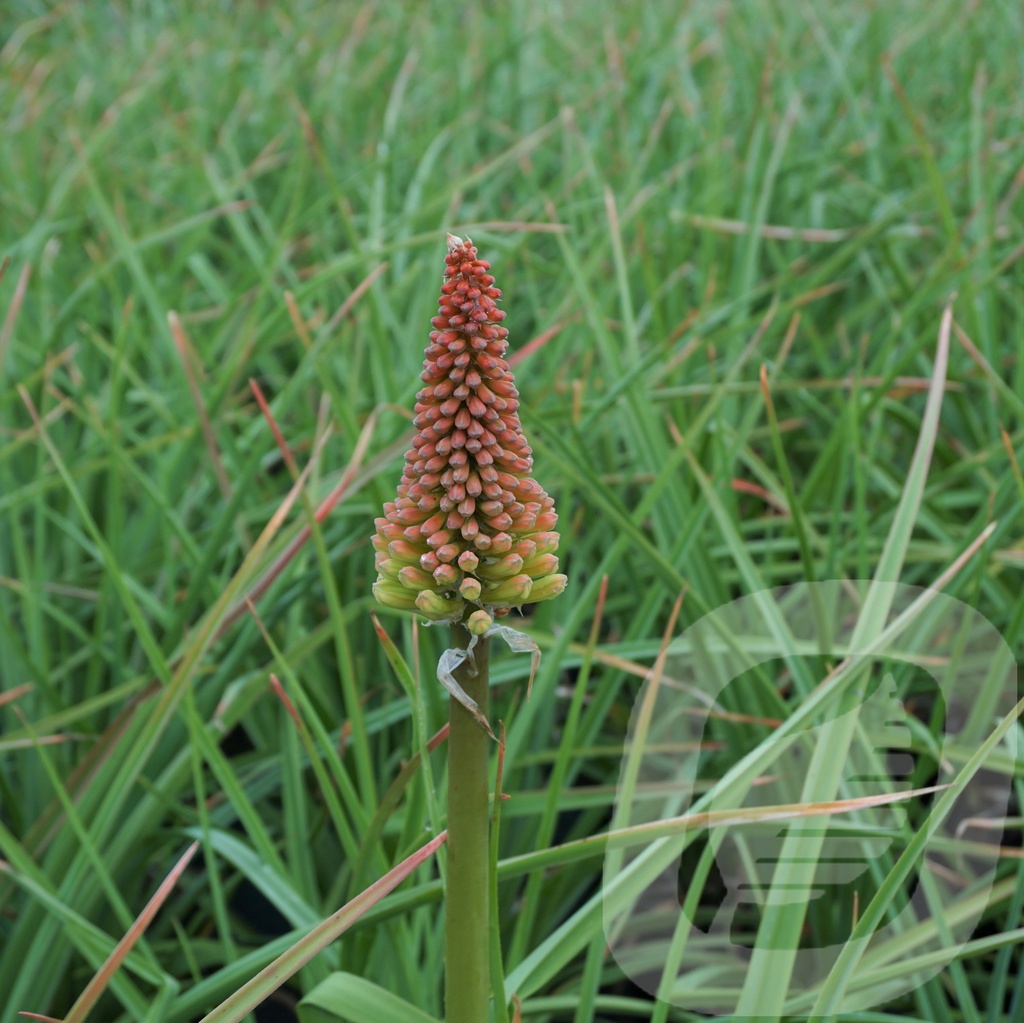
{"x": 537, "y": 343}
{"x": 15, "y": 694}
{"x": 186, "y": 354}
{"x": 760, "y": 814}
{"x": 297, "y": 321}
{"x": 275, "y": 683}
{"x": 991, "y": 374}
{"x": 249, "y": 995}
{"x": 357, "y": 293}
{"x": 88, "y": 998}
{"x": 756, "y": 490}
{"x": 393, "y": 795}
{"x": 1014, "y": 464}
{"x": 14, "y": 308}
{"x": 632, "y": 767}
{"x": 282, "y": 445}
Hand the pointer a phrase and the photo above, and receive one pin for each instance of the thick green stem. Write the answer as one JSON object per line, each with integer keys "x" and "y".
{"x": 467, "y": 986}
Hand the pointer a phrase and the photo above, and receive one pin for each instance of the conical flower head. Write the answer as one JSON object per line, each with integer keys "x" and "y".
{"x": 470, "y": 531}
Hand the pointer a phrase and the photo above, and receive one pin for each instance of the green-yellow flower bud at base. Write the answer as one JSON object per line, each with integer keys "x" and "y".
{"x": 513, "y": 592}
{"x": 548, "y": 587}
{"x": 546, "y": 543}
{"x": 540, "y": 565}
{"x": 445, "y": 576}
{"x": 500, "y": 544}
{"x": 503, "y": 568}
{"x": 392, "y": 594}
{"x": 415, "y": 578}
{"x": 526, "y": 549}
{"x": 479, "y": 622}
{"x": 404, "y": 550}
{"x": 433, "y": 605}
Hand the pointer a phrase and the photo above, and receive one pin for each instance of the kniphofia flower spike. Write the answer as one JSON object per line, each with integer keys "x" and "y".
{"x": 470, "y": 534}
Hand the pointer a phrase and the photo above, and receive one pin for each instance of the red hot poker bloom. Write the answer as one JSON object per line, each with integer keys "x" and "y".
{"x": 470, "y": 534}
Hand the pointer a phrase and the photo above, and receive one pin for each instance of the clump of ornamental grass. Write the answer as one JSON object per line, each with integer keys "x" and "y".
{"x": 469, "y": 536}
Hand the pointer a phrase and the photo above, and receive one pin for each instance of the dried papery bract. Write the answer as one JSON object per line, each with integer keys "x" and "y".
{"x": 470, "y": 530}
